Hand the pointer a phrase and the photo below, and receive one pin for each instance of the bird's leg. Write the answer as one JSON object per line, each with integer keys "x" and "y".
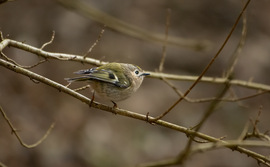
{"x": 148, "y": 120}
{"x": 114, "y": 107}
{"x": 114, "y": 104}
{"x": 92, "y": 99}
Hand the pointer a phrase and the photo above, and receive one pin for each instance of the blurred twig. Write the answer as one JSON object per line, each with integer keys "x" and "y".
{"x": 89, "y": 11}
{"x": 234, "y": 58}
{"x": 13, "y": 130}
{"x": 164, "y": 48}
{"x": 2, "y": 165}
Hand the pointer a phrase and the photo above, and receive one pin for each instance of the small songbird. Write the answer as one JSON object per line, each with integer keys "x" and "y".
{"x": 112, "y": 81}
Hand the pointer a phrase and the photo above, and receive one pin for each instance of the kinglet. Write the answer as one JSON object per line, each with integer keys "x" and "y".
{"x": 112, "y": 81}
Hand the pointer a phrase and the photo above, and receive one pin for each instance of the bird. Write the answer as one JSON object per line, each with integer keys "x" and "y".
{"x": 112, "y": 81}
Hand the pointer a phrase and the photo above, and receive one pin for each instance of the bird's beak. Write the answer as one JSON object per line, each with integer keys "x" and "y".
{"x": 145, "y": 74}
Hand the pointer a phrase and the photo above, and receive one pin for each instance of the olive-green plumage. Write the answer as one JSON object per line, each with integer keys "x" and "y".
{"x": 113, "y": 81}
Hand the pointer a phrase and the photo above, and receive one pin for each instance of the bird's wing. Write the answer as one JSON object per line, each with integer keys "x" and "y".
{"x": 104, "y": 75}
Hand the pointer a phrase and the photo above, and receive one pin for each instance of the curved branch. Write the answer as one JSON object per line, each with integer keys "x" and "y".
{"x": 18, "y": 136}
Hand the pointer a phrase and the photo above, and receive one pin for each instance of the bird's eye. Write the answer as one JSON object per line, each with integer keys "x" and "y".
{"x": 137, "y": 72}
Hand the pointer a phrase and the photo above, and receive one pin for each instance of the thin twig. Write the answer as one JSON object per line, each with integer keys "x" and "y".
{"x": 242, "y": 136}
{"x": 13, "y": 130}
{"x": 96, "y": 42}
{"x": 257, "y": 120}
{"x": 49, "y": 42}
{"x": 27, "y": 67}
{"x": 255, "y": 131}
{"x": 9, "y": 59}
{"x": 34, "y": 65}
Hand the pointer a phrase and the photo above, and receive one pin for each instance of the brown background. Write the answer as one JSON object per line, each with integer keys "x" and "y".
{"x": 89, "y": 137}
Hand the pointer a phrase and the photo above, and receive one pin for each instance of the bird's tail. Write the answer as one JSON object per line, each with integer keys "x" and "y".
{"x": 81, "y": 78}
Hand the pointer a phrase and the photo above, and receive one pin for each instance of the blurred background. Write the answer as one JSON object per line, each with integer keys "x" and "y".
{"x": 85, "y": 136}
